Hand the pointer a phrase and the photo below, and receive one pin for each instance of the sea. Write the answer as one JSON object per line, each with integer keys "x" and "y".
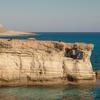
{"x": 69, "y": 92}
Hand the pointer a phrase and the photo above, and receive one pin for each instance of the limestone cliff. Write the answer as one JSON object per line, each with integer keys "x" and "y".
{"x": 29, "y": 62}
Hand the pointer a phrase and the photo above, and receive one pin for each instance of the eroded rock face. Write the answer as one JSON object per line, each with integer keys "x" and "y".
{"x": 33, "y": 62}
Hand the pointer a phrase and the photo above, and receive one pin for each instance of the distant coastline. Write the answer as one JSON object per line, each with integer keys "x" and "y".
{"x": 4, "y": 32}
{"x": 14, "y": 33}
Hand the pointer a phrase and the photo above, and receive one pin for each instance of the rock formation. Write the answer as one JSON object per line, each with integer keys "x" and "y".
{"x": 97, "y": 74}
{"x": 33, "y": 62}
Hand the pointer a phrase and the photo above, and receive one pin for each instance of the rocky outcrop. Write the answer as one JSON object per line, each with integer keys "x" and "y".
{"x": 33, "y": 62}
{"x": 97, "y": 74}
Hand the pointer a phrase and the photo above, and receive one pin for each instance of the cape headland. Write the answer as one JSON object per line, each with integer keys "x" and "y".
{"x": 35, "y": 62}
{"x": 4, "y": 32}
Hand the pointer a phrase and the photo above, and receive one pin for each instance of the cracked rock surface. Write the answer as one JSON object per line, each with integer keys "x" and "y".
{"x": 33, "y": 62}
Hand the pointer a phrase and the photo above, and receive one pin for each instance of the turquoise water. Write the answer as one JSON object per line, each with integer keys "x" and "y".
{"x": 51, "y": 93}
{"x": 70, "y": 92}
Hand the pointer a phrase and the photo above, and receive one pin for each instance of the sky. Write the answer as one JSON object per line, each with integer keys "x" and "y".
{"x": 51, "y": 15}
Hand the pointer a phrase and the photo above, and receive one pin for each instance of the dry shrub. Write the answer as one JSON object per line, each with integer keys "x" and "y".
{"x": 59, "y": 46}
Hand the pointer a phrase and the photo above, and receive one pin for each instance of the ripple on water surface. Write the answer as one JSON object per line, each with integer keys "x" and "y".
{"x": 69, "y": 92}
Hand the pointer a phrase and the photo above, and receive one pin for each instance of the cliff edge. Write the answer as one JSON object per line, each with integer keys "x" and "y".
{"x": 33, "y": 62}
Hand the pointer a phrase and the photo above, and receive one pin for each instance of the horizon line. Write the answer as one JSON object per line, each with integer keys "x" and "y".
{"x": 66, "y": 32}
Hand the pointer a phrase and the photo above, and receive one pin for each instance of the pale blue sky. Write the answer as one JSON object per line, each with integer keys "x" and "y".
{"x": 51, "y": 15}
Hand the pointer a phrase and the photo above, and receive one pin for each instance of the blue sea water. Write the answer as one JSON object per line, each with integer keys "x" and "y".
{"x": 70, "y": 92}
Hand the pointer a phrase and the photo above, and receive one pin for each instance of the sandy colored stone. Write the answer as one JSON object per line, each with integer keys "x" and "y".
{"x": 29, "y": 62}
